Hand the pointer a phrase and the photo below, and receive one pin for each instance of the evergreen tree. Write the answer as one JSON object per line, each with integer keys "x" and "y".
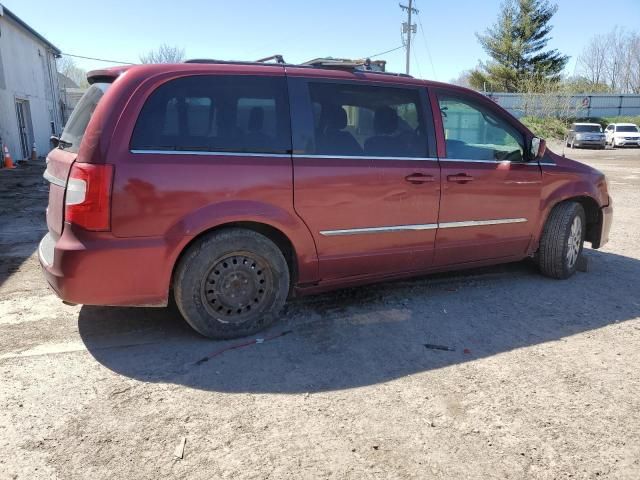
{"x": 517, "y": 44}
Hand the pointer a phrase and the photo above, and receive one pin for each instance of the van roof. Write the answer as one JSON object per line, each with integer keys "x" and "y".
{"x": 109, "y": 74}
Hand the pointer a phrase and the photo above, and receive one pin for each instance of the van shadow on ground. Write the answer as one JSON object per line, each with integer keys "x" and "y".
{"x": 368, "y": 335}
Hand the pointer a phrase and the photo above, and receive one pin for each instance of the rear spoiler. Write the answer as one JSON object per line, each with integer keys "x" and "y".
{"x": 106, "y": 75}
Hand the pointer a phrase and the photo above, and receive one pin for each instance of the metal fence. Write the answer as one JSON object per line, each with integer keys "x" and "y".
{"x": 579, "y": 106}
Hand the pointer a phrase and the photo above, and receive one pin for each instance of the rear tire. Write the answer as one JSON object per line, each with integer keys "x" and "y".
{"x": 231, "y": 283}
{"x": 562, "y": 240}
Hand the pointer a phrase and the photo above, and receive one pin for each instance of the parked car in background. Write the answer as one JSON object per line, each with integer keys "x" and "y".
{"x": 585, "y": 135}
{"x": 232, "y": 186}
{"x": 622, "y": 135}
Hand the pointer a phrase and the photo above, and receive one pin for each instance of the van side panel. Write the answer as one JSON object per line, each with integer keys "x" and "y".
{"x": 173, "y": 196}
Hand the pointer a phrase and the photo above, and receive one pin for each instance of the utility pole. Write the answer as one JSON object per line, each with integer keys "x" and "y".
{"x": 409, "y": 28}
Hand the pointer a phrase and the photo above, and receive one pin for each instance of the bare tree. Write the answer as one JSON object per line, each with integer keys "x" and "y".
{"x": 613, "y": 59}
{"x": 68, "y": 68}
{"x": 633, "y": 63}
{"x": 462, "y": 79}
{"x": 615, "y": 66}
{"x": 164, "y": 54}
{"x": 593, "y": 60}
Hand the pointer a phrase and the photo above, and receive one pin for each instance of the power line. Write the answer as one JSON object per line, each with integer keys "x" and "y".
{"x": 97, "y": 59}
{"x": 426, "y": 45}
{"x": 415, "y": 57}
{"x": 382, "y": 53}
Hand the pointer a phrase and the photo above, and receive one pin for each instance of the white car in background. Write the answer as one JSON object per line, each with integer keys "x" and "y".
{"x": 622, "y": 135}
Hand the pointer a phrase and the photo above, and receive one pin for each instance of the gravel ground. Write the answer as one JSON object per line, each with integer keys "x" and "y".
{"x": 543, "y": 382}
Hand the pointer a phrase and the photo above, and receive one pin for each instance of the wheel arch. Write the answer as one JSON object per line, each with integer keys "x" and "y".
{"x": 593, "y": 216}
{"x": 277, "y": 236}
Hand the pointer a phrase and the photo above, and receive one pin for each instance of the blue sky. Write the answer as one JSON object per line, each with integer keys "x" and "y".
{"x": 250, "y": 29}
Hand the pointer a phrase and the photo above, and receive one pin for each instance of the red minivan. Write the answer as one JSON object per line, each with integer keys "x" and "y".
{"x": 231, "y": 186}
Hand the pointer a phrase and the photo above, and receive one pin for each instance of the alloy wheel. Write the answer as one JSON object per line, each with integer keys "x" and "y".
{"x": 574, "y": 242}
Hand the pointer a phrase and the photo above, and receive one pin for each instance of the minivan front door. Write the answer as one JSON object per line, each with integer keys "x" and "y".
{"x": 490, "y": 193}
{"x": 366, "y": 180}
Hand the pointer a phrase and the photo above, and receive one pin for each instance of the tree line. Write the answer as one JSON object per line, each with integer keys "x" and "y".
{"x": 519, "y": 60}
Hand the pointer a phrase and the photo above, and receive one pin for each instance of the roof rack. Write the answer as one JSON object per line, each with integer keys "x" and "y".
{"x": 360, "y": 65}
{"x": 277, "y": 58}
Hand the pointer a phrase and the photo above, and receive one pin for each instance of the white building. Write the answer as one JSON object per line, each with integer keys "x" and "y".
{"x": 29, "y": 94}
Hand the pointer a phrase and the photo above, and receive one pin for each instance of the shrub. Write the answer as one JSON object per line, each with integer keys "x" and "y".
{"x": 552, "y": 127}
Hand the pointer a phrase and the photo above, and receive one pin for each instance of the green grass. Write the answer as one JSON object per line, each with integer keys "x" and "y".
{"x": 551, "y": 127}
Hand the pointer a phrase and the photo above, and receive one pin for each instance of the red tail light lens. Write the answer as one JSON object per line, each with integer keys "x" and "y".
{"x": 88, "y": 197}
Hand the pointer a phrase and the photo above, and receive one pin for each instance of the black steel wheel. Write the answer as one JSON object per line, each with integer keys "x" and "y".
{"x": 236, "y": 285}
{"x": 231, "y": 283}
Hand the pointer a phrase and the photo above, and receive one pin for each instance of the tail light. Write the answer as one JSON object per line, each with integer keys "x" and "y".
{"x": 88, "y": 197}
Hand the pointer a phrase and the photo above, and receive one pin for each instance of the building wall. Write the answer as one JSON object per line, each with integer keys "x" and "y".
{"x": 27, "y": 71}
{"x": 579, "y": 106}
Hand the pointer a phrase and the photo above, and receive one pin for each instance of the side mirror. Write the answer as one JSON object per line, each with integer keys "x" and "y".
{"x": 538, "y": 148}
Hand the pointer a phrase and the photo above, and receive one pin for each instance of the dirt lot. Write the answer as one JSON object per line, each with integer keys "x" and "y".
{"x": 543, "y": 382}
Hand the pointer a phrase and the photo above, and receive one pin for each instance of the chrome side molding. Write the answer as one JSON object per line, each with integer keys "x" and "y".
{"x": 393, "y": 228}
{"x": 418, "y": 227}
{"x": 478, "y": 223}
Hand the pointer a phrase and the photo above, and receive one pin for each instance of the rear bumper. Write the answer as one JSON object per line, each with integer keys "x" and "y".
{"x": 97, "y": 269}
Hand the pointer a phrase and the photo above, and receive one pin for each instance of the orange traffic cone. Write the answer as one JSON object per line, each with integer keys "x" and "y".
{"x": 8, "y": 161}
{"x": 34, "y": 152}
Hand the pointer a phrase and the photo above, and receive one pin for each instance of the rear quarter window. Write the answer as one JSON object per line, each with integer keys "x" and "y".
{"x": 79, "y": 120}
{"x": 217, "y": 114}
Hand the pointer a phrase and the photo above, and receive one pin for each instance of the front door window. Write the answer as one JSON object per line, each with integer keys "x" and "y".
{"x": 474, "y": 133}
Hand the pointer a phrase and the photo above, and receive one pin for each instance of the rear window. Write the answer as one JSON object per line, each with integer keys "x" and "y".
{"x": 77, "y": 124}
{"x": 627, "y": 128}
{"x": 588, "y": 128}
{"x": 217, "y": 114}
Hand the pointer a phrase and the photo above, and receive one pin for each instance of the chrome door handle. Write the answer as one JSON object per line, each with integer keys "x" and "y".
{"x": 460, "y": 178}
{"x": 419, "y": 178}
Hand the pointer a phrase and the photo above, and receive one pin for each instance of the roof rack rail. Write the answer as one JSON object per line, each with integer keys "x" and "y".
{"x": 277, "y": 58}
{"x": 362, "y": 65}
{"x": 226, "y": 62}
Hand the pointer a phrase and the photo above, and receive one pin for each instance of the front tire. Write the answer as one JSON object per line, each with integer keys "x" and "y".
{"x": 562, "y": 240}
{"x": 231, "y": 283}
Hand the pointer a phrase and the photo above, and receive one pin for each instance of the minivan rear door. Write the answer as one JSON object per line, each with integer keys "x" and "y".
{"x": 60, "y": 159}
{"x": 366, "y": 181}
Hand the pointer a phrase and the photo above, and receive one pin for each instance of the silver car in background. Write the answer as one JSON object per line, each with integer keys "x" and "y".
{"x": 585, "y": 135}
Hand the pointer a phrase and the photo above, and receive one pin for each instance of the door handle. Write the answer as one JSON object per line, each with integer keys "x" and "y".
{"x": 419, "y": 178}
{"x": 460, "y": 178}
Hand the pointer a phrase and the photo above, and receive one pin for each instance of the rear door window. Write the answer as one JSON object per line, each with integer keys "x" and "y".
{"x": 355, "y": 119}
{"x": 79, "y": 120}
{"x": 217, "y": 114}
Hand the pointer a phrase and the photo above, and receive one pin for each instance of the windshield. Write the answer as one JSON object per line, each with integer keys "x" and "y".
{"x": 627, "y": 128}
{"x": 588, "y": 128}
{"x": 77, "y": 124}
